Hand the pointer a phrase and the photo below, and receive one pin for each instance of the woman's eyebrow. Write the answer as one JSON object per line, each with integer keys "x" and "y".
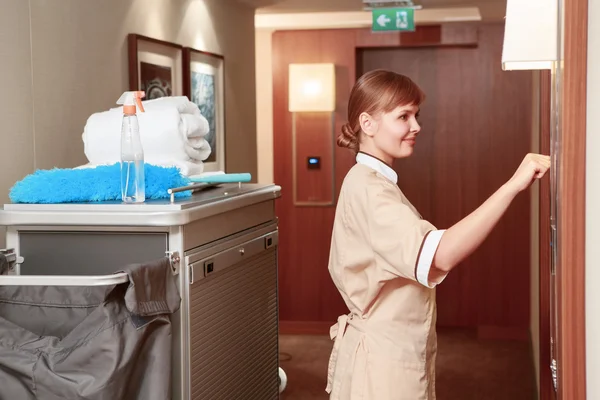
{"x": 410, "y": 110}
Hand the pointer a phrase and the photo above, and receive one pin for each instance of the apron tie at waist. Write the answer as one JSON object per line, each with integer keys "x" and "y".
{"x": 336, "y": 332}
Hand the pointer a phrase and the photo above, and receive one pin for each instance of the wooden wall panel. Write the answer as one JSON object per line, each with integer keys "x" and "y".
{"x": 459, "y": 34}
{"x": 423, "y": 37}
{"x": 489, "y": 111}
{"x": 314, "y": 138}
{"x": 365, "y": 38}
{"x": 306, "y": 290}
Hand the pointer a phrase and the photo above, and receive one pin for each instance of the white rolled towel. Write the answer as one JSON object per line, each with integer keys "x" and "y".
{"x": 171, "y": 128}
{"x": 194, "y": 128}
{"x": 193, "y": 124}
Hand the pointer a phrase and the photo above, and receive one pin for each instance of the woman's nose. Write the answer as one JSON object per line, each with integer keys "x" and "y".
{"x": 416, "y": 127}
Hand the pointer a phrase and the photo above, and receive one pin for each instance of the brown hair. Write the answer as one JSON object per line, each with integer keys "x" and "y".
{"x": 374, "y": 92}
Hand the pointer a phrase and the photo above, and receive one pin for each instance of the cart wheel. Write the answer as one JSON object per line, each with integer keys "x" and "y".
{"x": 282, "y": 380}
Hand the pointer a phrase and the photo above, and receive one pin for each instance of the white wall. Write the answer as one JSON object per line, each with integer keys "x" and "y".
{"x": 16, "y": 102}
{"x": 592, "y": 216}
{"x": 75, "y": 53}
{"x": 264, "y": 102}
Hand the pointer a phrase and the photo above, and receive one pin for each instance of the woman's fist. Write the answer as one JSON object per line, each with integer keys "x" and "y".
{"x": 534, "y": 166}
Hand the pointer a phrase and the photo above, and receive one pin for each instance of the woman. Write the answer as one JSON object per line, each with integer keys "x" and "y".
{"x": 385, "y": 259}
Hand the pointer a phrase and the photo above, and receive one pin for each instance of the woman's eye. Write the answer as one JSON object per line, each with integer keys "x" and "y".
{"x": 403, "y": 117}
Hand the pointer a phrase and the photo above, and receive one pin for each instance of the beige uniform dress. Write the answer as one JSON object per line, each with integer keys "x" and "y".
{"x": 381, "y": 254}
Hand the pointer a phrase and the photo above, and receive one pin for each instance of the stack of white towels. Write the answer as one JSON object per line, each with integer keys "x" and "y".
{"x": 172, "y": 131}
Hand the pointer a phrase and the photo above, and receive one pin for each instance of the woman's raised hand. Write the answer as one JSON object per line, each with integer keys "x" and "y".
{"x": 534, "y": 166}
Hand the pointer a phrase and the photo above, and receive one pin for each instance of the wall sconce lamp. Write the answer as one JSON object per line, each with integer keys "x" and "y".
{"x": 530, "y": 35}
{"x": 312, "y": 90}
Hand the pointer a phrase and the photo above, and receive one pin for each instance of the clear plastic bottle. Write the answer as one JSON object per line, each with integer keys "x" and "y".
{"x": 133, "y": 183}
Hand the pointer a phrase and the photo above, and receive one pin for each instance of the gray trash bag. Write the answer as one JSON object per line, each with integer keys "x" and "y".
{"x": 92, "y": 343}
{"x": 4, "y": 265}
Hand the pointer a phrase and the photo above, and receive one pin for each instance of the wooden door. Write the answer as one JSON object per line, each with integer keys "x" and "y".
{"x": 476, "y": 129}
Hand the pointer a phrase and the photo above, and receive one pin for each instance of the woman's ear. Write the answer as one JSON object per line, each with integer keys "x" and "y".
{"x": 368, "y": 124}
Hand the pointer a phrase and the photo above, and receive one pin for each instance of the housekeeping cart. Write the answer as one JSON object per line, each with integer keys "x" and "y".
{"x": 80, "y": 263}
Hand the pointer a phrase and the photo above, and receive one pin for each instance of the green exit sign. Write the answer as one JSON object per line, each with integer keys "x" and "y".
{"x": 393, "y": 19}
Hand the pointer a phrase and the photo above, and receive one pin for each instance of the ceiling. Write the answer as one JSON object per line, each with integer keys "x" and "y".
{"x": 489, "y": 9}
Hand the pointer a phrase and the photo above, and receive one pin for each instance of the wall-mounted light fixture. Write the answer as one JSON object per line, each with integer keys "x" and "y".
{"x": 530, "y": 35}
{"x": 312, "y": 90}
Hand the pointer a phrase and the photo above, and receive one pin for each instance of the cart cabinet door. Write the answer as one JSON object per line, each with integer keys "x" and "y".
{"x": 233, "y": 320}
{"x": 87, "y": 253}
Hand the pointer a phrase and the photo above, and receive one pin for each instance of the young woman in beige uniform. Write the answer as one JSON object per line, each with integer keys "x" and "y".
{"x": 385, "y": 259}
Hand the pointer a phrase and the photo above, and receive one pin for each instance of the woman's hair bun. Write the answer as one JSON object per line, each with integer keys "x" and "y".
{"x": 348, "y": 138}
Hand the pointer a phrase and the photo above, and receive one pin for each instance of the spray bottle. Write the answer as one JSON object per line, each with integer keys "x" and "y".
{"x": 133, "y": 185}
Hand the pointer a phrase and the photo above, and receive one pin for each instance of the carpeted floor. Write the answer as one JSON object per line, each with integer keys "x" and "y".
{"x": 467, "y": 368}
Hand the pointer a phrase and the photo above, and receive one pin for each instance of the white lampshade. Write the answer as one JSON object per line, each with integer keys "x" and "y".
{"x": 311, "y": 87}
{"x": 530, "y": 35}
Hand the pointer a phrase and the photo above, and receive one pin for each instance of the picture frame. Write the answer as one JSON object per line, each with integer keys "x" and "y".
{"x": 204, "y": 85}
{"x": 155, "y": 66}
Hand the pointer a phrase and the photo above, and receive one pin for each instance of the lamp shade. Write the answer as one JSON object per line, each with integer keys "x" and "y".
{"x": 530, "y": 35}
{"x": 311, "y": 87}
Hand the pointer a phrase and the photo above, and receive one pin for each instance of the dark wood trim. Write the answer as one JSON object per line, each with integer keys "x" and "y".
{"x": 156, "y": 41}
{"x": 132, "y": 51}
{"x": 503, "y": 333}
{"x": 571, "y": 270}
{"x": 425, "y": 36}
{"x": 206, "y": 53}
{"x": 186, "y": 73}
{"x": 546, "y": 386}
{"x": 304, "y": 327}
{"x": 186, "y": 80}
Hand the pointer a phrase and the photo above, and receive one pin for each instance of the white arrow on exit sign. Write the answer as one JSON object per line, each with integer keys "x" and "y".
{"x": 383, "y": 20}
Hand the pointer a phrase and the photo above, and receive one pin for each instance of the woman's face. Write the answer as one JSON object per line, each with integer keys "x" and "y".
{"x": 397, "y": 131}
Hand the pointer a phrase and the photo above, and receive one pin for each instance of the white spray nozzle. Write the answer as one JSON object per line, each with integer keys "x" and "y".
{"x": 129, "y": 100}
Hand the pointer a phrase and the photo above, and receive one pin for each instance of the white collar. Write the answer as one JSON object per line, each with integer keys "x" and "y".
{"x": 377, "y": 165}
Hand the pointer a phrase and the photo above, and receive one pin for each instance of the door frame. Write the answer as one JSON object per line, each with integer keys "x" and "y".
{"x": 546, "y": 389}
{"x": 571, "y": 349}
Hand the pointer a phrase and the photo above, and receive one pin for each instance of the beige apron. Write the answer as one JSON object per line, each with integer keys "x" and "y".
{"x": 381, "y": 252}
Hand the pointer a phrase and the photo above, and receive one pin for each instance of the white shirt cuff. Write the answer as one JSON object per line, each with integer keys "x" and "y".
{"x": 425, "y": 259}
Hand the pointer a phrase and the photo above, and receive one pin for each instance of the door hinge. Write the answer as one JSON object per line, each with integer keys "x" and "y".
{"x": 554, "y": 369}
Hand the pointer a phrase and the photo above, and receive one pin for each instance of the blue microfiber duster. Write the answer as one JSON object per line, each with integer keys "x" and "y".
{"x": 102, "y": 183}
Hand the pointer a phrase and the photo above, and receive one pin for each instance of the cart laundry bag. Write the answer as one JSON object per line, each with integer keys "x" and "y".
{"x": 93, "y": 342}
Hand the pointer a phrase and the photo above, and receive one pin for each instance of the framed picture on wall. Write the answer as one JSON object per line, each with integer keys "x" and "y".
{"x": 155, "y": 66}
{"x": 204, "y": 85}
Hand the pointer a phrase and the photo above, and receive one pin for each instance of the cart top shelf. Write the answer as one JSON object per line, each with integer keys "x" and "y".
{"x": 202, "y": 204}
